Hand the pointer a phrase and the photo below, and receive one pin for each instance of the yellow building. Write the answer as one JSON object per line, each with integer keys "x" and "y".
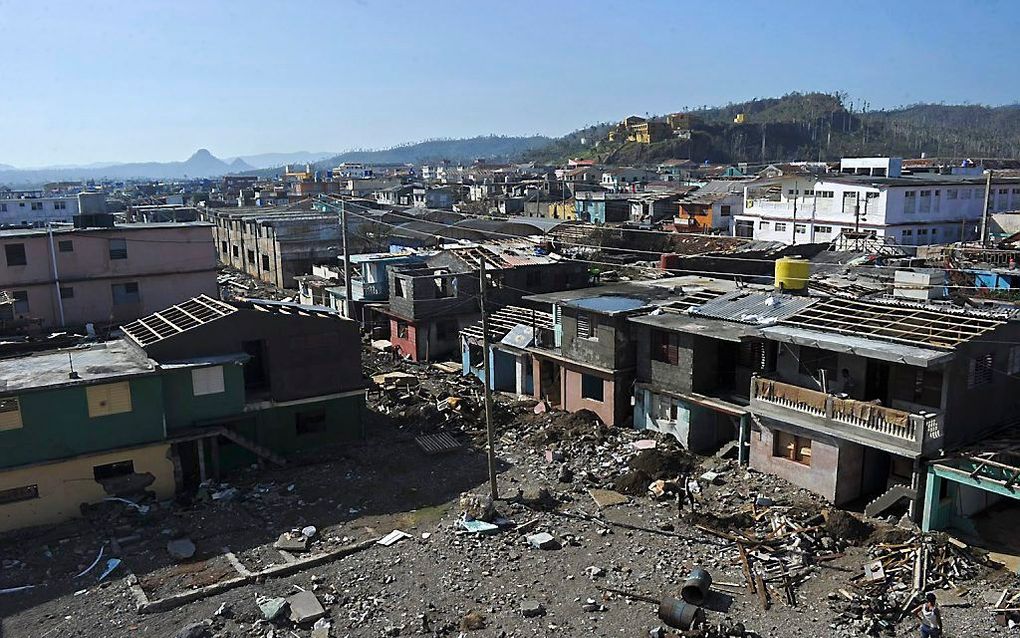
{"x": 54, "y": 491}
{"x": 563, "y": 210}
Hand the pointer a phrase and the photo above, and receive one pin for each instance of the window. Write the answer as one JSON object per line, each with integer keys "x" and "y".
{"x": 780, "y": 227}
{"x": 402, "y": 329}
{"x": 910, "y": 194}
{"x": 980, "y": 372}
{"x": 265, "y": 262}
{"x": 108, "y": 398}
{"x": 36, "y": 205}
{"x": 66, "y": 292}
{"x": 872, "y": 195}
{"x": 15, "y": 494}
{"x": 823, "y": 230}
{"x": 113, "y": 470}
{"x": 1012, "y": 368}
{"x": 20, "y": 301}
{"x": 814, "y": 360}
{"x": 15, "y": 254}
{"x": 764, "y": 225}
{"x": 224, "y": 248}
{"x": 10, "y": 413}
{"x": 1003, "y": 191}
{"x": 3, "y": 208}
{"x": 922, "y": 231}
{"x": 724, "y": 211}
{"x": 126, "y": 293}
{"x": 800, "y": 229}
{"x": 908, "y": 233}
{"x": 928, "y": 388}
{"x": 237, "y": 252}
{"x": 925, "y": 193}
{"x": 310, "y": 422}
{"x": 587, "y": 326}
{"x": 809, "y": 192}
{"x": 251, "y": 256}
{"x": 757, "y": 356}
{"x": 793, "y": 448}
{"x": 592, "y": 387}
{"x": 666, "y": 347}
{"x": 65, "y": 246}
{"x": 826, "y": 194}
{"x": 207, "y": 381}
{"x": 60, "y": 205}
{"x": 965, "y": 193}
{"x": 118, "y": 249}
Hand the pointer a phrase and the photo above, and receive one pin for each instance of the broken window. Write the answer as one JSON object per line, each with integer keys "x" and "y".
{"x": 980, "y": 372}
{"x": 310, "y": 422}
{"x": 475, "y": 355}
{"x": 15, "y": 254}
{"x": 15, "y": 494}
{"x": 113, "y": 470}
{"x": 251, "y": 256}
{"x": 10, "y": 413}
{"x": 118, "y": 249}
{"x": 757, "y": 356}
{"x": 666, "y": 347}
{"x": 126, "y": 293}
{"x": 402, "y": 329}
{"x": 928, "y": 388}
{"x": 592, "y": 387}
{"x": 265, "y": 262}
{"x": 398, "y": 287}
{"x": 792, "y": 447}
{"x": 587, "y": 326}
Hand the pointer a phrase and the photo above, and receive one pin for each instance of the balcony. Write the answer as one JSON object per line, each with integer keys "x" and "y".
{"x": 372, "y": 291}
{"x": 863, "y": 422}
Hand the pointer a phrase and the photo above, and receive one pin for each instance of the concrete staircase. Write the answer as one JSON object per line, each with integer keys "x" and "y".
{"x": 889, "y": 498}
{"x": 252, "y": 446}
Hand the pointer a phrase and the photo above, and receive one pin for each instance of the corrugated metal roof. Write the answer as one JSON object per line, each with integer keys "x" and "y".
{"x": 753, "y": 307}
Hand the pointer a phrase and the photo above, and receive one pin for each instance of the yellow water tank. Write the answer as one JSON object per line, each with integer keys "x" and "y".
{"x": 792, "y": 273}
{"x": 739, "y": 119}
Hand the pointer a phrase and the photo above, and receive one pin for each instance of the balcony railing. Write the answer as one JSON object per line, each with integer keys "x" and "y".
{"x": 919, "y": 431}
{"x": 372, "y": 291}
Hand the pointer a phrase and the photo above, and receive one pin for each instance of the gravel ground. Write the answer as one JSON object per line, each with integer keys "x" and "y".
{"x": 426, "y": 585}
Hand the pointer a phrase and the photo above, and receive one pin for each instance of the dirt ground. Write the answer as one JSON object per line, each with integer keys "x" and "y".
{"x": 426, "y": 584}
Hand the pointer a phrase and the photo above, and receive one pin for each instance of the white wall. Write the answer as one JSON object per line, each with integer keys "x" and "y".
{"x": 19, "y": 211}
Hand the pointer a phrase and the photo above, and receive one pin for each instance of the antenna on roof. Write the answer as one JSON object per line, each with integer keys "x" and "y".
{"x": 72, "y": 374}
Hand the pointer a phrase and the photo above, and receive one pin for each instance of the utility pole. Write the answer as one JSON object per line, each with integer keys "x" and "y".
{"x": 796, "y": 196}
{"x": 348, "y": 293}
{"x": 984, "y": 211}
{"x": 56, "y": 275}
{"x": 490, "y": 429}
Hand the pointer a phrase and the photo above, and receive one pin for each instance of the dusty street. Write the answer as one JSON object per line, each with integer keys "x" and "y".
{"x": 443, "y": 580}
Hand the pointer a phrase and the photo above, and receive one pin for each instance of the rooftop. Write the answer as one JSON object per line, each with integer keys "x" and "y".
{"x": 118, "y": 228}
{"x": 96, "y": 362}
{"x": 671, "y": 291}
{"x": 506, "y": 319}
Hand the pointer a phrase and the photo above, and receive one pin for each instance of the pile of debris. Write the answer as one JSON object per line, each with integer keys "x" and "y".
{"x": 234, "y": 284}
{"x": 897, "y": 578}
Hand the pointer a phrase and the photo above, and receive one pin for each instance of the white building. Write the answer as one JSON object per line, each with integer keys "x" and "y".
{"x": 35, "y": 208}
{"x": 351, "y": 170}
{"x": 906, "y": 209}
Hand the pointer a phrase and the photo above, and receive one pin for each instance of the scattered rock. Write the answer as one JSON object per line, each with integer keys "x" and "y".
{"x": 194, "y": 630}
{"x": 633, "y": 483}
{"x": 305, "y": 608}
{"x": 532, "y": 609}
{"x": 607, "y": 498}
{"x": 272, "y": 608}
{"x": 321, "y": 628}
{"x": 181, "y": 548}
{"x": 477, "y": 507}
{"x": 472, "y": 621}
{"x": 290, "y": 542}
{"x": 543, "y": 540}
{"x": 538, "y": 498}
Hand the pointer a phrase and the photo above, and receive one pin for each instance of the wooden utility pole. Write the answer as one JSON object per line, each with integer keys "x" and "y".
{"x": 348, "y": 293}
{"x": 490, "y": 429}
{"x": 984, "y": 211}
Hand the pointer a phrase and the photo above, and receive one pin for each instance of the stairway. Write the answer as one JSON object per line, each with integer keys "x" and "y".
{"x": 252, "y": 446}
{"x": 889, "y": 498}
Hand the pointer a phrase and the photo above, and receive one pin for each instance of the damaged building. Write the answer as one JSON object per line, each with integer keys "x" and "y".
{"x": 191, "y": 392}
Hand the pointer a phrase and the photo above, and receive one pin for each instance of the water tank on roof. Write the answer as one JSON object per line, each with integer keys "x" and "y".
{"x": 792, "y": 274}
{"x": 91, "y": 203}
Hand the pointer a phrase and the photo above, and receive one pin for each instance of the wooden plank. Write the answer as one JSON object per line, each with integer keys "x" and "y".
{"x": 763, "y": 597}
{"x": 746, "y": 568}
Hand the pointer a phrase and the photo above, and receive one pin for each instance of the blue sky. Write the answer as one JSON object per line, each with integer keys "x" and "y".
{"x": 86, "y": 81}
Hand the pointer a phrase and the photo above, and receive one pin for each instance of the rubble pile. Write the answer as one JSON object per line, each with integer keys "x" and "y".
{"x": 896, "y": 579}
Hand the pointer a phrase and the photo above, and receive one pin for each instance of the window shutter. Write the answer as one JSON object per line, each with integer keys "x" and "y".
{"x": 207, "y": 380}
{"x": 109, "y": 398}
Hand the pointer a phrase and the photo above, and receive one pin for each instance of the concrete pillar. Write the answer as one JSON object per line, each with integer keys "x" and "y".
{"x": 914, "y": 511}
{"x": 744, "y": 440}
{"x": 200, "y": 445}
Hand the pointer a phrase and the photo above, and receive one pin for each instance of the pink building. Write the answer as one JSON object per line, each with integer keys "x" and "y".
{"x": 104, "y": 276}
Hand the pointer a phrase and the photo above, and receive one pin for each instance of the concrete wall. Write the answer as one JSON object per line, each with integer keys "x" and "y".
{"x": 830, "y": 459}
{"x": 612, "y": 346}
{"x": 183, "y": 409}
{"x": 614, "y": 409}
{"x": 697, "y": 428}
{"x": 65, "y": 485}
{"x": 169, "y": 264}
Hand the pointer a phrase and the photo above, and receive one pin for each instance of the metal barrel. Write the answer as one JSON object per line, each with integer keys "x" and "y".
{"x": 695, "y": 588}
{"x": 679, "y": 614}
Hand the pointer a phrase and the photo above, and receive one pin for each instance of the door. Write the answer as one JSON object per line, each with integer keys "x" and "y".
{"x": 876, "y": 382}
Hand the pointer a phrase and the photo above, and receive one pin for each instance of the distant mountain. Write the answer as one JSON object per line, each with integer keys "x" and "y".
{"x": 201, "y": 164}
{"x": 809, "y": 126}
{"x": 7, "y": 167}
{"x": 272, "y": 160}
{"x": 489, "y": 147}
{"x": 239, "y": 165}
